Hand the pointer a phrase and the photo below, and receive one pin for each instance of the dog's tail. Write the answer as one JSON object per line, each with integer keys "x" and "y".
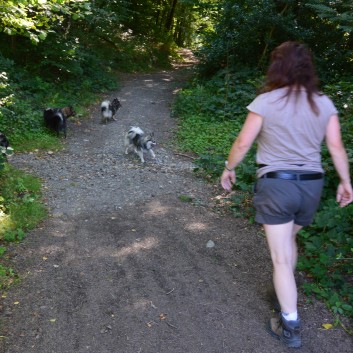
{"x": 134, "y": 130}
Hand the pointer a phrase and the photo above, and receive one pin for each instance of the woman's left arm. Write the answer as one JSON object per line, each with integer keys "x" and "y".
{"x": 240, "y": 147}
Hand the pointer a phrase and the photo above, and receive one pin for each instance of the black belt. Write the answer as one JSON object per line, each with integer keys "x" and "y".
{"x": 293, "y": 176}
{"x": 266, "y": 165}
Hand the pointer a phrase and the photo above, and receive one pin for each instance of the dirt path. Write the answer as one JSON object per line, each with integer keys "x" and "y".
{"x": 122, "y": 266}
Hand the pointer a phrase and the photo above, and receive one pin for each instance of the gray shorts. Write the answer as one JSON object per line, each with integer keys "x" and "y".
{"x": 279, "y": 201}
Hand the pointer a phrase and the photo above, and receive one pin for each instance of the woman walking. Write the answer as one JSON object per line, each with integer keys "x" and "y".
{"x": 289, "y": 119}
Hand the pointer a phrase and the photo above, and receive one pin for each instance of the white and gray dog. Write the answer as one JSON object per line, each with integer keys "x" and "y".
{"x": 140, "y": 142}
{"x": 109, "y": 109}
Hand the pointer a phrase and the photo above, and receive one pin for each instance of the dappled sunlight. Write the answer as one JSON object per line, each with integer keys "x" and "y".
{"x": 71, "y": 255}
{"x": 156, "y": 208}
{"x": 197, "y": 226}
{"x": 50, "y": 250}
{"x": 150, "y": 83}
{"x": 59, "y": 234}
{"x": 141, "y": 304}
{"x": 136, "y": 247}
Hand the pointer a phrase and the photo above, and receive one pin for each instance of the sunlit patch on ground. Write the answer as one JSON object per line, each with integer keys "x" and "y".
{"x": 156, "y": 208}
{"x": 136, "y": 247}
{"x": 196, "y": 226}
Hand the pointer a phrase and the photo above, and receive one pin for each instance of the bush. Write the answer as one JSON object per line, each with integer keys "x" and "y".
{"x": 21, "y": 206}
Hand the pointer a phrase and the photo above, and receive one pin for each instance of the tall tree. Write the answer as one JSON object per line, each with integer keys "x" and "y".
{"x": 249, "y": 29}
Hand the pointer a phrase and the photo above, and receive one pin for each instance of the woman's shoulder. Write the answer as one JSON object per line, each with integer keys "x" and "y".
{"x": 323, "y": 98}
{"x": 278, "y": 92}
{"x": 263, "y": 103}
{"x": 325, "y": 104}
{"x": 270, "y": 96}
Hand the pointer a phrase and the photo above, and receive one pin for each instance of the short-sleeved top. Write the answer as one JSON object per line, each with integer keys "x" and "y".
{"x": 291, "y": 135}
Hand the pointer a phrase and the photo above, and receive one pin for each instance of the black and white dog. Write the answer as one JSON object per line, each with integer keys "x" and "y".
{"x": 55, "y": 118}
{"x": 109, "y": 109}
{"x": 4, "y": 145}
{"x": 140, "y": 142}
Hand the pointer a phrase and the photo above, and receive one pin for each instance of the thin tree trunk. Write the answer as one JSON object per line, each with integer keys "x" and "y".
{"x": 169, "y": 23}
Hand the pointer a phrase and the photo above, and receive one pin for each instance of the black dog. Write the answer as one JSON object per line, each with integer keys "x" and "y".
{"x": 55, "y": 118}
{"x": 4, "y": 142}
{"x": 109, "y": 109}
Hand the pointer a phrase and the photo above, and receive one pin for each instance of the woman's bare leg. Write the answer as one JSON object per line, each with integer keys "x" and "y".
{"x": 281, "y": 239}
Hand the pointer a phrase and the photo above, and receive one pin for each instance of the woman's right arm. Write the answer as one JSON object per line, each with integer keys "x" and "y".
{"x": 340, "y": 161}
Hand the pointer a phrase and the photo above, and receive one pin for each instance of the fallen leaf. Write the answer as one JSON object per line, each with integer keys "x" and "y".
{"x": 45, "y": 258}
{"x": 16, "y": 303}
{"x": 162, "y": 316}
{"x": 327, "y": 326}
{"x": 52, "y": 320}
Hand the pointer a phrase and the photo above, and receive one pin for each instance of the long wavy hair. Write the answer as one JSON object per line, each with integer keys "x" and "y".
{"x": 292, "y": 66}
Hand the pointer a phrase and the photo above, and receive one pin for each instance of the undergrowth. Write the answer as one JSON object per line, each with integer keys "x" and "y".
{"x": 21, "y": 209}
{"x": 211, "y": 115}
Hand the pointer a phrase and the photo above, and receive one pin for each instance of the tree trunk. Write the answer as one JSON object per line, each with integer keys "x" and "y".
{"x": 169, "y": 23}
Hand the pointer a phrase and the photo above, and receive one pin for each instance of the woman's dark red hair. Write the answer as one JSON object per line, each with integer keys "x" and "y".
{"x": 292, "y": 66}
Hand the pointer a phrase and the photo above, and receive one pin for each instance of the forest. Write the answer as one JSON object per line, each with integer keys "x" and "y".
{"x": 68, "y": 53}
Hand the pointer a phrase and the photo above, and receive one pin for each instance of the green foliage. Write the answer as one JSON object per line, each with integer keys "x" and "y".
{"x": 328, "y": 256}
{"x": 208, "y": 128}
{"x": 14, "y": 235}
{"x": 339, "y": 13}
{"x": 212, "y": 112}
{"x": 34, "y": 19}
{"x": 185, "y": 198}
{"x": 21, "y": 206}
{"x": 25, "y": 94}
{"x": 4, "y": 153}
{"x": 247, "y": 31}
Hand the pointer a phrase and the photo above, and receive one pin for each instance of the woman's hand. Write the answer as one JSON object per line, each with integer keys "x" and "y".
{"x": 344, "y": 194}
{"x": 228, "y": 179}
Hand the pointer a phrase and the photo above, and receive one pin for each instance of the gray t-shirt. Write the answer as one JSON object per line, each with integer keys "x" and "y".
{"x": 291, "y": 134}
